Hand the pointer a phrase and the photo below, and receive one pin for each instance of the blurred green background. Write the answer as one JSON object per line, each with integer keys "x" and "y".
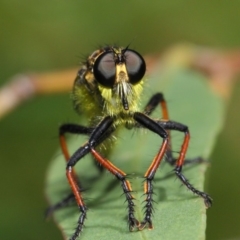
{"x": 49, "y": 35}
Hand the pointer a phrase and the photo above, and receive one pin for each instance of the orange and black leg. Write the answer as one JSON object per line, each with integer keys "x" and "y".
{"x": 126, "y": 186}
{"x": 161, "y": 128}
{"x": 73, "y": 129}
{"x": 99, "y": 134}
{"x": 118, "y": 173}
{"x": 171, "y": 125}
{"x": 63, "y": 129}
{"x": 158, "y": 99}
{"x": 153, "y": 126}
{"x": 155, "y": 100}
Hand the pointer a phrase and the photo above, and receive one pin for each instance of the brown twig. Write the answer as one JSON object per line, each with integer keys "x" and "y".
{"x": 24, "y": 86}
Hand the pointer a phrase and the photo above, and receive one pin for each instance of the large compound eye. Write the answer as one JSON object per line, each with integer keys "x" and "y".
{"x": 136, "y": 66}
{"x": 104, "y": 69}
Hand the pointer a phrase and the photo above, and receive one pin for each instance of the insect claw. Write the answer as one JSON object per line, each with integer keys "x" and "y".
{"x": 133, "y": 223}
{"x": 208, "y": 202}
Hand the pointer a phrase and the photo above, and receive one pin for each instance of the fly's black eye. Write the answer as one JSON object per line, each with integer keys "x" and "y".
{"x": 136, "y": 66}
{"x": 104, "y": 69}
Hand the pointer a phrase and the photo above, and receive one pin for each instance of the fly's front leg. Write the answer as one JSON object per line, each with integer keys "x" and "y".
{"x": 118, "y": 173}
{"x": 170, "y": 125}
{"x": 150, "y": 173}
{"x": 103, "y": 126}
{"x": 126, "y": 186}
{"x": 98, "y": 135}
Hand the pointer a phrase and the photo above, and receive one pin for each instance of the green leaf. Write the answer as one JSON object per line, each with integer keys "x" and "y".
{"x": 178, "y": 213}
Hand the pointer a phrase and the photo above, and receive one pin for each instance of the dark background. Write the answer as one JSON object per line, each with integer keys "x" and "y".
{"x": 51, "y": 35}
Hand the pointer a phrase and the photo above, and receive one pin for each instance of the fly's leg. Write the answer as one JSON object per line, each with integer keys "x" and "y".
{"x": 158, "y": 99}
{"x": 97, "y": 136}
{"x": 72, "y": 129}
{"x": 126, "y": 186}
{"x": 63, "y": 129}
{"x": 161, "y": 128}
{"x": 153, "y": 126}
{"x": 171, "y": 125}
{"x": 118, "y": 173}
{"x": 155, "y": 100}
